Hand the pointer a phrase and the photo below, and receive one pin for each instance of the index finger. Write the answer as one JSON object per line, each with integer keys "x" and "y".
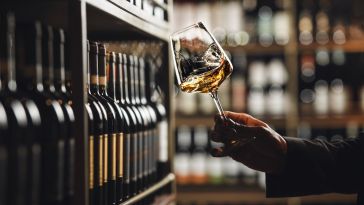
{"x": 245, "y": 119}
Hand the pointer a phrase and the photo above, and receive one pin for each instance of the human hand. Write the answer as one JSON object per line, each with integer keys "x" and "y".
{"x": 249, "y": 141}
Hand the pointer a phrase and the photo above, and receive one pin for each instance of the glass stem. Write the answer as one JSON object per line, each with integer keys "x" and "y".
{"x": 215, "y": 97}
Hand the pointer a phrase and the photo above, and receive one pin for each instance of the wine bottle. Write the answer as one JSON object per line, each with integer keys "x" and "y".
{"x": 129, "y": 74}
{"x": 155, "y": 101}
{"x": 91, "y": 153}
{"x": 183, "y": 154}
{"x": 29, "y": 58}
{"x": 3, "y": 150}
{"x": 64, "y": 98}
{"x": 32, "y": 112}
{"x": 109, "y": 182}
{"x": 156, "y": 135}
{"x": 122, "y": 85}
{"x": 53, "y": 68}
{"x": 100, "y": 132}
{"x": 150, "y": 140}
{"x": 198, "y": 157}
{"x": 120, "y": 158}
{"x": 14, "y": 115}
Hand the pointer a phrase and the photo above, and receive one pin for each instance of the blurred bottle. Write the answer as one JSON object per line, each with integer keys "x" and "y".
{"x": 265, "y": 30}
{"x": 231, "y": 171}
{"x": 322, "y": 25}
{"x": 257, "y": 82}
{"x": 338, "y": 96}
{"x": 306, "y": 86}
{"x": 199, "y": 156}
{"x": 281, "y": 26}
{"x": 238, "y": 83}
{"x": 305, "y": 27}
{"x": 182, "y": 157}
{"x": 214, "y": 166}
{"x": 205, "y": 104}
{"x": 186, "y": 103}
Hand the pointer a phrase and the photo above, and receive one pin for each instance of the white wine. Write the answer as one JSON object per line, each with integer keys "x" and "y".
{"x": 207, "y": 81}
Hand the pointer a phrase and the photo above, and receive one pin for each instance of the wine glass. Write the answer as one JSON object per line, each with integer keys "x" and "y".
{"x": 200, "y": 63}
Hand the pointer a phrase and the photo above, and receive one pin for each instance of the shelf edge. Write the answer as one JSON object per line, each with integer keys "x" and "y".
{"x": 169, "y": 178}
{"x": 137, "y": 22}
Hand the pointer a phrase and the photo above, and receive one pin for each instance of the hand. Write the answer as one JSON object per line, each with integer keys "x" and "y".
{"x": 249, "y": 141}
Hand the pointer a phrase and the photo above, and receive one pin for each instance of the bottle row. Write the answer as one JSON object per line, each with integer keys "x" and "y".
{"x": 324, "y": 21}
{"x": 37, "y": 147}
{"x": 255, "y": 22}
{"x": 128, "y": 141}
{"x": 194, "y": 165}
{"x": 128, "y": 128}
{"x": 330, "y": 82}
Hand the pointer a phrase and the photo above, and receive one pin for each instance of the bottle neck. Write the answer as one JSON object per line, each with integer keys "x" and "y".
{"x": 129, "y": 80}
{"x": 59, "y": 70}
{"x": 29, "y": 46}
{"x": 124, "y": 83}
{"x": 143, "y": 98}
{"x": 135, "y": 83}
{"x": 47, "y": 60}
{"x": 93, "y": 69}
{"x": 111, "y": 81}
{"x": 102, "y": 74}
{"x": 149, "y": 79}
{"x": 119, "y": 93}
{"x": 7, "y": 52}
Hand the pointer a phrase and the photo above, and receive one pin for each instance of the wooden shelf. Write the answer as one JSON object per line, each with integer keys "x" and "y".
{"x": 351, "y": 46}
{"x": 208, "y": 121}
{"x": 114, "y": 17}
{"x": 168, "y": 179}
{"x": 203, "y": 197}
{"x": 165, "y": 199}
{"x": 256, "y": 49}
{"x": 332, "y": 121}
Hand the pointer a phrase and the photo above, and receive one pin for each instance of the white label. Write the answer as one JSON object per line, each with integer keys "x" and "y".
{"x": 214, "y": 166}
{"x": 163, "y": 141}
{"x": 231, "y": 167}
{"x": 182, "y": 164}
{"x": 200, "y": 138}
{"x": 198, "y": 164}
{"x": 184, "y": 137}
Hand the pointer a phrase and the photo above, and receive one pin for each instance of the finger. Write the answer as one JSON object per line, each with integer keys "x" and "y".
{"x": 218, "y": 152}
{"x": 244, "y": 118}
{"x": 215, "y": 136}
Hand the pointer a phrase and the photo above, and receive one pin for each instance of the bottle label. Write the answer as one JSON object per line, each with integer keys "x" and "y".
{"x": 91, "y": 162}
{"x": 127, "y": 158}
{"x": 163, "y": 141}
{"x": 113, "y": 157}
{"x": 102, "y": 80}
{"x": 101, "y": 159}
{"x": 105, "y": 158}
{"x": 146, "y": 152}
{"x": 120, "y": 154}
{"x": 133, "y": 157}
{"x": 94, "y": 80}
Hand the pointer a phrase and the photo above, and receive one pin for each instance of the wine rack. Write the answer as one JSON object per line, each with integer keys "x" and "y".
{"x": 104, "y": 20}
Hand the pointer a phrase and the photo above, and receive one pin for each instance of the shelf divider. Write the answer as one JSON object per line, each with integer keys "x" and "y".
{"x": 168, "y": 179}
{"x": 132, "y": 16}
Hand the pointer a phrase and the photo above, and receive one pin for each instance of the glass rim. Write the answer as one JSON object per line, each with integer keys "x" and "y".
{"x": 198, "y": 24}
